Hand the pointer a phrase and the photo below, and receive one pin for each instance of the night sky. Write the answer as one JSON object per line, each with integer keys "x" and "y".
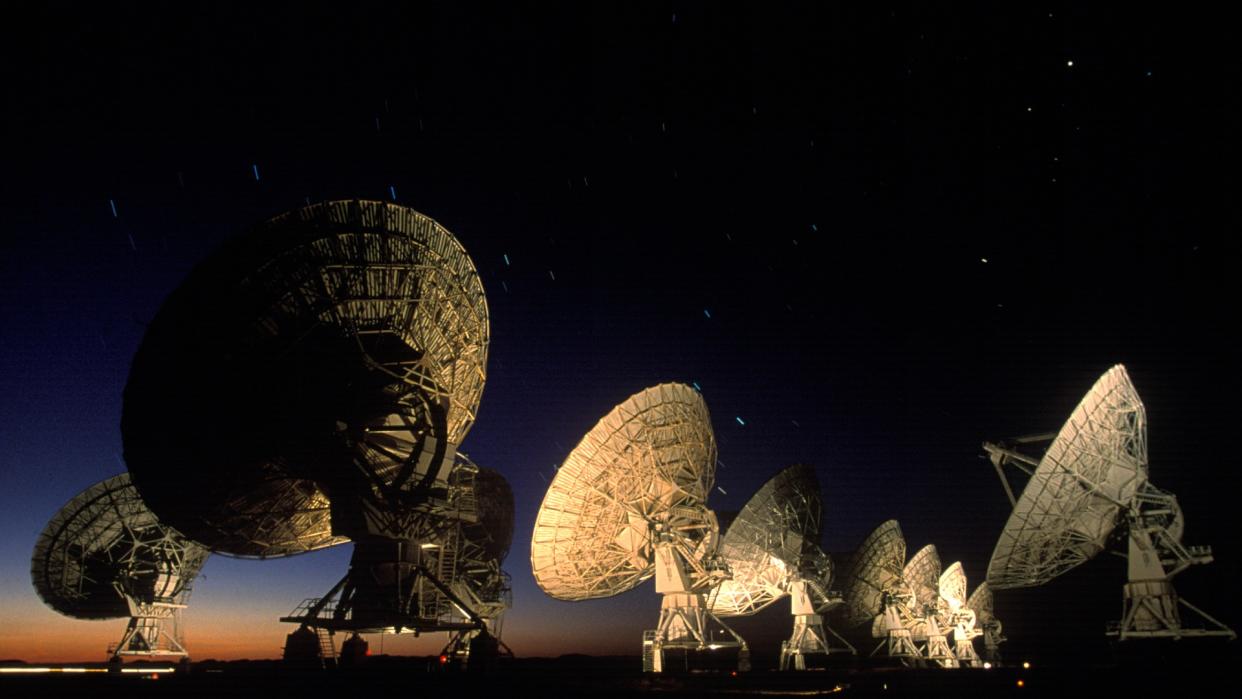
{"x": 875, "y": 236}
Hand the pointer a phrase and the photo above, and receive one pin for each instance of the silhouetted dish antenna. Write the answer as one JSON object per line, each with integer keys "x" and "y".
{"x": 310, "y": 383}
{"x": 982, "y": 604}
{"x": 876, "y": 593}
{"x": 772, "y": 549}
{"x": 104, "y": 555}
{"x": 1091, "y": 480}
{"x": 922, "y": 574}
{"x": 630, "y": 502}
{"x": 494, "y": 499}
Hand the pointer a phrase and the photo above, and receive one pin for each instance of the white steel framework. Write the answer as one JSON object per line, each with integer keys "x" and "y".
{"x": 961, "y": 619}
{"x": 877, "y": 594}
{"x": 629, "y": 502}
{"x": 982, "y": 604}
{"x": 106, "y": 555}
{"x": 772, "y": 549}
{"x": 1092, "y": 479}
{"x": 347, "y": 344}
{"x": 453, "y": 580}
{"x": 922, "y": 573}
{"x": 338, "y": 353}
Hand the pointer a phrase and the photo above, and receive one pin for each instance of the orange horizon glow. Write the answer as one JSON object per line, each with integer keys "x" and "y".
{"x": 36, "y": 634}
{"x": 235, "y": 610}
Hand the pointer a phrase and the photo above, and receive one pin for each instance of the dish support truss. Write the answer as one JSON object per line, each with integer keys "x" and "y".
{"x": 429, "y": 595}
{"x": 417, "y": 572}
{"x": 436, "y": 586}
{"x": 809, "y": 637}
{"x": 965, "y": 631}
{"x": 421, "y": 602}
{"x": 930, "y": 640}
{"x": 461, "y": 643}
{"x": 992, "y": 638}
{"x": 154, "y": 631}
{"x": 1150, "y": 605}
{"x": 1154, "y": 554}
{"x": 892, "y": 626}
{"x": 685, "y": 620}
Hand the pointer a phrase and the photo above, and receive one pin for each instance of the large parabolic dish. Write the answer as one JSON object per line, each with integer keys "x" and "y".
{"x": 103, "y": 546}
{"x": 982, "y": 603}
{"x": 773, "y": 538}
{"x": 772, "y": 550}
{"x": 334, "y": 352}
{"x": 958, "y": 615}
{"x": 878, "y": 596}
{"x": 495, "y": 507}
{"x": 929, "y": 614}
{"x": 1064, "y": 516}
{"x": 875, "y": 570}
{"x": 922, "y": 574}
{"x": 953, "y": 585}
{"x": 105, "y": 555}
{"x": 649, "y": 462}
{"x": 1091, "y": 481}
{"x": 630, "y": 502}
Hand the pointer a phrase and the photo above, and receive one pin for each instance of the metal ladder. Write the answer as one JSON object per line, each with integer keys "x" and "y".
{"x": 446, "y": 567}
{"x": 429, "y": 600}
{"x": 327, "y": 649}
{"x": 649, "y": 650}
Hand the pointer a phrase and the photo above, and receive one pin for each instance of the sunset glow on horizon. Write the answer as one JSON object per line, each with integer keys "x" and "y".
{"x": 277, "y": 262}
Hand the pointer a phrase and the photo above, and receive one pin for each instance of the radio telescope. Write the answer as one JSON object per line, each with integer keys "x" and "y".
{"x": 877, "y": 594}
{"x": 630, "y": 501}
{"x": 1092, "y": 479}
{"x": 985, "y": 613}
{"x": 471, "y": 553}
{"x": 772, "y": 549}
{"x": 958, "y": 614}
{"x": 309, "y": 384}
{"x": 922, "y": 573}
{"x": 104, "y": 555}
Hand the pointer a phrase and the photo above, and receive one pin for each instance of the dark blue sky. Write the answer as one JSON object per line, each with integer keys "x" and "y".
{"x": 879, "y": 237}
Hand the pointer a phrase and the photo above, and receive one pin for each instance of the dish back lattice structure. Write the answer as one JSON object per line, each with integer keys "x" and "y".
{"x": 1092, "y": 479}
{"x": 983, "y": 605}
{"x": 878, "y": 596}
{"x": 472, "y": 551}
{"x": 922, "y": 574}
{"x": 772, "y": 550}
{"x": 105, "y": 555}
{"x": 324, "y": 367}
{"x": 958, "y": 615}
{"x": 630, "y": 502}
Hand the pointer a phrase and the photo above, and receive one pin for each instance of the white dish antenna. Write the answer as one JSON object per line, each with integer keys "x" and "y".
{"x": 981, "y": 603}
{"x": 877, "y": 594}
{"x": 772, "y": 549}
{"x": 1092, "y": 479}
{"x": 953, "y": 585}
{"x": 630, "y": 502}
{"x": 960, "y": 619}
{"x": 922, "y": 574}
{"x": 106, "y": 555}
